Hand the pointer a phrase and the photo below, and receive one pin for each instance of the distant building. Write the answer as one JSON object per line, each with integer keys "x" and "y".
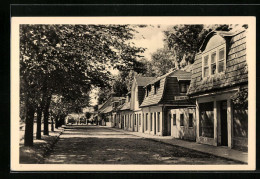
{"x": 106, "y": 111}
{"x": 126, "y": 114}
{"x": 219, "y": 79}
{"x": 137, "y": 97}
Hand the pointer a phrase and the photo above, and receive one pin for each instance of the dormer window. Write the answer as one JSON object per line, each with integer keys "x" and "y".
{"x": 221, "y": 60}
{"x": 148, "y": 89}
{"x": 184, "y": 87}
{"x": 206, "y": 65}
{"x": 156, "y": 87}
{"x": 214, "y": 61}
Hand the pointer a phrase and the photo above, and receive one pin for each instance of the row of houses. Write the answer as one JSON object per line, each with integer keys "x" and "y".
{"x": 197, "y": 105}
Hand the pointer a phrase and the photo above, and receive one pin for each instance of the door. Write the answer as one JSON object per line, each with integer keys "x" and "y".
{"x": 223, "y": 120}
{"x": 169, "y": 124}
{"x": 174, "y": 126}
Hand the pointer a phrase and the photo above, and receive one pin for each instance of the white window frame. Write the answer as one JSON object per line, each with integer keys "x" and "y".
{"x": 209, "y": 53}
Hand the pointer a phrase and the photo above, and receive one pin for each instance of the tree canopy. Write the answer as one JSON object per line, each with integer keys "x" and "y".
{"x": 68, "y": 60}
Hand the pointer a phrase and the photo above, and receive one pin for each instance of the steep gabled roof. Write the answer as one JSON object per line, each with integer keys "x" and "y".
{"x": 142, "y": 81}
{"x": 212, "y": 33}
{"x": 236, "y": 72}
{"x": 180, "y": 74}
{"x": 126, "y": 106}
{"x": 109, "y": 102}
{"x": 167, "y": 83}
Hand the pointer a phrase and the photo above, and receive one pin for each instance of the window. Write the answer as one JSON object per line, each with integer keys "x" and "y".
{"x": 190, "y": 120}
{"x": 130, "y": 120}
{"x": 213, "y": 63}
{"x": 174, "y": 119}
{"x": 154, "y": 121}
{"x": 148, "y": 89}
{"x": 151, "y": 121}
{"x": 181, "y": 119}
{"x": 139, "y": 119}
{"x": 217, "y": 60}
{"x": 183, "y": 87}
{"x": 135, "y": 119}
{"x": 156, "y": 87}
{"x": 158, "y": 121}
{"x": 146, "y": 122}
{"x": 221, "y": 60}
{"x": 206, "y": 66}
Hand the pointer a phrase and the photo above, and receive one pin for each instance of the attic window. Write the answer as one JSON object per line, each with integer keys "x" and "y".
{"x": 148, "y": 89}
{"x": 156, "y": 87}
{"x": 184, "y": 87}
{"x": 214, "y": 61}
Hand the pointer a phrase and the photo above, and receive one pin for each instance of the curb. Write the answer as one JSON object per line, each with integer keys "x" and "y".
{"x": 50, "y": 148}
{"x": 158, "y": 140}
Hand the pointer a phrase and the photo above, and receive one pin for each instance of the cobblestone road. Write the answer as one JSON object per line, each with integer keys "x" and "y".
{"x": 99, "y": 145}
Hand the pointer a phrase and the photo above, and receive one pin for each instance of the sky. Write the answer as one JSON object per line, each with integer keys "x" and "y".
{"x": 151, "y": 38}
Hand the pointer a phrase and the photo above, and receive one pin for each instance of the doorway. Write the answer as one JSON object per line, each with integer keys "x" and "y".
{"x": 223, "y": 121}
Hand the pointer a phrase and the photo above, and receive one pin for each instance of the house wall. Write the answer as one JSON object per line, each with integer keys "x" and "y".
{"x": 137, "y": 121}
{"x": 183, "y": 132}
{"x": 126, "y": 117}
{"x": 236, "y": 122}
{"x": 152, "y": 124}
{"x": 240, "y": 126}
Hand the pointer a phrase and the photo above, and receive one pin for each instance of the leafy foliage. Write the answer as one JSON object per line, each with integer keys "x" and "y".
{"x": 67, "y": 60}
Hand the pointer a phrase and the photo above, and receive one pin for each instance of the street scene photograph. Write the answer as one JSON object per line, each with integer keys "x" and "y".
{"x": 133, "y": 94}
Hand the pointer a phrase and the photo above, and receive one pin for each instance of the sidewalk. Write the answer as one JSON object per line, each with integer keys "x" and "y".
{"x": 37, "y": 152}
{"x": 213, "y": 150}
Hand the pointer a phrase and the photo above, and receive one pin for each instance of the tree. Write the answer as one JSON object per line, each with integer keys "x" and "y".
{"x": 184, "y": 41}
{"x": 88, "y": 115}
{"x": 68, "y": 59}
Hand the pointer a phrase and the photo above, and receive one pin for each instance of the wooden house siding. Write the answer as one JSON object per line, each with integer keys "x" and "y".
{"x": 152, "y": 98}
{"x": 171, "y": 90}
{"x": 236, "y": 68}
{"x": 141, "y": 94}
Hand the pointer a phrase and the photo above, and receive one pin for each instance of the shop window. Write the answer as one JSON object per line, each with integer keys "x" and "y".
{"x": 181, "y": 119}
{"x": 174, "y": 119}
{"x": 190, "y": 120}
{"x": 206, "y": 120}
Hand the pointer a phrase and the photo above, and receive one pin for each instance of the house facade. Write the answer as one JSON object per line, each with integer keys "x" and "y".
{"x": 164, "y": 97}
{"x": 107, "y": 111}
{"x": 219, "y": 81}
{"x": 137, "y": 97}
{"x": 125, "y": 114}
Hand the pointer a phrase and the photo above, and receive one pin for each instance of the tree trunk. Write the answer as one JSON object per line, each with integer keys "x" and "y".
{"x": 52, "y": 125}
{"x": 46, "y": 116}
{"x": 28, "y": 136}
{"x": 39, "y": 122}
{"x": 56, "y": 121}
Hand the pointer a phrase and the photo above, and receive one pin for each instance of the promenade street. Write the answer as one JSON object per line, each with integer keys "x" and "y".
{"x": 101, "y": 145}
